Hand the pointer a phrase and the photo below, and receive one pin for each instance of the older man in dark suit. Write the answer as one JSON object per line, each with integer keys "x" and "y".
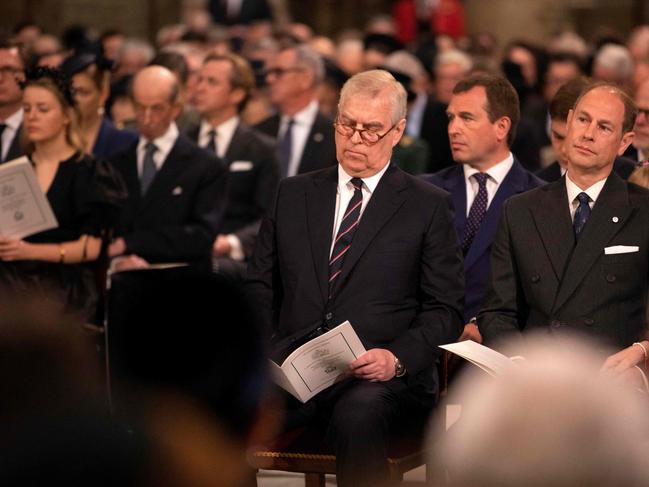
{"x": 176, "y": 189}
{"x": 572, "y": 257}
{"x": 224, "y": 85}
{"x": 368, "y": 243}
{"x": 304, "y": 136}
{"x": 482, "y": 117}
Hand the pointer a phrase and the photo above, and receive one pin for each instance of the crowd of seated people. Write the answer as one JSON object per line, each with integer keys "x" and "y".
{"x": 217, "y": 146}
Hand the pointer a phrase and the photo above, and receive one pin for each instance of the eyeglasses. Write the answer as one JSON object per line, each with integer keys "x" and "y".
{"x": 279, "y": 72}
{"x": 368, "y": 136}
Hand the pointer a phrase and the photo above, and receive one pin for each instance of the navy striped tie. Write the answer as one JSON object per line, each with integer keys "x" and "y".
{"x": 581, "y": 214}
{"x": 345, "y": 234}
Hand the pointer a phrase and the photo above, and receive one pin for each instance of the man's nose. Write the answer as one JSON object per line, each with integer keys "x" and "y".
{"x": 356, "y": 136}
{"x": 589, "y": 133}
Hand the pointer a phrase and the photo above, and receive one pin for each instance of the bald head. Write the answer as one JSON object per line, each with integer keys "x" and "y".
{"x": 155, "y": 95}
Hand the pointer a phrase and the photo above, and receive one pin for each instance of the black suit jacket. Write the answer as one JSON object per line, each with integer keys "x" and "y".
{"x": 178, "y": 217}
{"x": 320, "y": 148}
{"x": 622, "y": 166}
{"x": 253, "y": 178}
{"x": 401, "y": 286}
{"x": 477, "y": 269}
{"x": 15, "y": 149}
{"x": 542, "y": 280}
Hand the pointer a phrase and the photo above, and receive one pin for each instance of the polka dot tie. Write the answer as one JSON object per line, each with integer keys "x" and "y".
{"x": 477, "y": 211}
{"x": 581, "y": 214}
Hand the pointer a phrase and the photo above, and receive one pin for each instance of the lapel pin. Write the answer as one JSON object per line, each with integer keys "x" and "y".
{"x": 615, "y": 219}
{"x": 318, "y": 137}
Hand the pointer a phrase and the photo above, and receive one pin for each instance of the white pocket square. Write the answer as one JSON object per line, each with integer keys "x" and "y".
{"x": 177, "y": 191}
{"x": 239, "y": 166}
{"x": 621, "y": 249}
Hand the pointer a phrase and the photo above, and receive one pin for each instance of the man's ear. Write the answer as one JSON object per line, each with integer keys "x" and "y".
{"x": 398, "y": 131}
{"x": 627, "y": 138}
{"x": 503, "y": 126}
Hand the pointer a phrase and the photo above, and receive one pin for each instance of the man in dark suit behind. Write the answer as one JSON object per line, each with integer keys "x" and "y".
{"x": 223, "y": 87}
{"x": 560, "y": 105}
{"x": 12, "y": 69}
{"x": 482, "y": 117}
{"x": 176, "y": 189}
{"x": 368, "y": 243}
{"x": 304, "y": 135}
{"x": 572, "y": 257}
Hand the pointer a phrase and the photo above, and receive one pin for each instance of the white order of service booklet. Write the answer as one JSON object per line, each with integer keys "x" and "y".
{"x": 319, "y": 363}
{"x": 24, "y": 209}
{"x": 492, "y": 362}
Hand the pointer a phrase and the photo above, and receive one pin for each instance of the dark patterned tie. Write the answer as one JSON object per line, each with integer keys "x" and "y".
{"x": 345, "y": 234}
{"x": 285, "y": 149}
{"x": 211, "y": 143}
{"x": 477, "y": 211}
{"x": 3, "y": 126}
{"x": 149, "y": 169}
{"x": 581, "y": 214}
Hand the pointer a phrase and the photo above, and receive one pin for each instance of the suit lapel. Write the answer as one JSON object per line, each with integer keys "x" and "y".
{"x": 385, "y": 201}
{"x": 456, "y": 186}
{"x": 167, "y": 175}
{"x": 513, "y": 183}
{"x": 552, "y": 218}
{"x": 237, "y": 144}
{"x": 313, "y": 144}
{"x": 321, "y": 206}
{"x": 609, "y": 215}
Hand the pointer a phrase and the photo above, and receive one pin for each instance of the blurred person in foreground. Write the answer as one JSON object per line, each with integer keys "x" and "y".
{"x": 572, "y": 257}
{"x": 86, "y": 196}
{"x": 551, "y": 420}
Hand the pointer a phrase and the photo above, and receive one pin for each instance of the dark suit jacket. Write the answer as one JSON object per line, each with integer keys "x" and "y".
{"x": 178, "y": 218}
{"x": 622, "y": 166}
{"x": 111, "y": 141}
{"x": 542, "y": 280}
{"x": 477, "y": 268}
{"x": 631, "y": 153}
{"x": 250, "y": 11}
{"x": 401, "y": 286}
{"x": 15, "y": 149}
{"x": 320, "y": 148}
{"x": 252, "y": 182}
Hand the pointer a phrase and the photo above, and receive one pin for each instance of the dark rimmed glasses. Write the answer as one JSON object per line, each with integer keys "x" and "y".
{"x": 368, "y": 136}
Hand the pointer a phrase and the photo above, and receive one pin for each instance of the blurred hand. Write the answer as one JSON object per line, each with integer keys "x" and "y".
{"x": 221, "y": 246}
{"x": 623, "y": 360}
{"x": 117, "y": 247}
{"x": 14, "y": 249}
{"x": 471, "y": 332}
{"x": 129, "y": 262}
{"x": 374, "y": 365}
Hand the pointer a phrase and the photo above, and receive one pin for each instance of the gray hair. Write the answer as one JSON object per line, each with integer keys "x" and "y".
{"x": 455, "y": 56}
{"x": 307, "y": 58}
{"x": 617, "y": 58}
{"x": 404, "y": 62}
{"x": 140, "y": 46}
{"x": 375, "y": 83}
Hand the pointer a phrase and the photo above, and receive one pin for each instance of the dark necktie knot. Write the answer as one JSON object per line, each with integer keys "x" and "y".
{"x": 583, "y": 198}
{"x": 481, "y": 178}
{"x": 150, "y": 148}
{"x": 357, "y": 183}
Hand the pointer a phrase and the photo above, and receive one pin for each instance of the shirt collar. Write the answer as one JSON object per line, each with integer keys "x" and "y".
{"x": 226, "y": 128}
{"x": 304, "y": 117}
{"x": 498, "y": 172}
{"x": 370, "y": 182}
{"x": 14, "y": 120}
{"x": 165, "y": 142}
{"x": 593, "y": 191}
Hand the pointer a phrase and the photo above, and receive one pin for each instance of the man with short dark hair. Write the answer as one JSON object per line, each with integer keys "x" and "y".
{"x": 482, "y": 116}
{"x": 560, "y": 106}
{"x": 176, "y": 190}
{"x": 12, "y": 69}
{"x": 572, "y": 257}
{"x": 224, "y": 85}
{"x": 304, "y": 135}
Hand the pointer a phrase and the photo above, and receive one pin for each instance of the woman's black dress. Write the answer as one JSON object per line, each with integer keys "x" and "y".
{"x": 86, "y": 196}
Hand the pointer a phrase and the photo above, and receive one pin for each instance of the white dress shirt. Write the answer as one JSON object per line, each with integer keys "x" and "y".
{"x": 224, "y": 133}
{"x": 346, "y": 191}
{"x": 302, "y": 123}
{"x": 12, "y": 125}
{"x": 496, "y": 174}
{"x": 164, "y": 144}
{"x": 573, "y": 190}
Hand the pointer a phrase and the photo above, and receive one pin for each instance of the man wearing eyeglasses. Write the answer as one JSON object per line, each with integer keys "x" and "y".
{"x": 11, "y": 114}
{"x": 304, "y": 136}
{"x": 369, "y": 243}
